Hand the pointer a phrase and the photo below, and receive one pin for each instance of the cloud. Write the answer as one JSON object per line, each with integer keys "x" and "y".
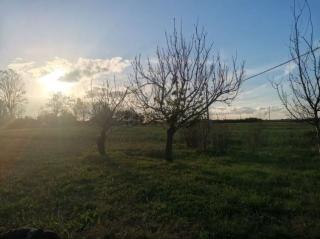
{"x": 256, "y": 70}
{"x": 272, "y": 109}
{"x": 289, "y": 68}
{"x": 243, "y": 110}
{"x": 260, "y": 111}
{"x": 72, "y": 76}
{"x": 86, "y": 67}
{"x": 253, "y": 92}
{"x": 74, "y": 71}
{"x": 21, "y": 67}
{"x": 234, "y": 110}
{"x": 35, "y": 69}
{"x": 50, "y": 66}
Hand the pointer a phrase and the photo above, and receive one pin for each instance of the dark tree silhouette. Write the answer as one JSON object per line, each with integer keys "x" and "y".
{"x": 81, "y": 109}
{"x": 12, "y": 93}
{"x": 300, "y": 92}
{"x": 58, "y": 104}
{"x": 183, "y": 80}
{"x": 3, "y": 111}
{"x": 107, "y": 101}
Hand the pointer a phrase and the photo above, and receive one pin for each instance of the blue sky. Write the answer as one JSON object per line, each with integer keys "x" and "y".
{"x": 258, "y": 31}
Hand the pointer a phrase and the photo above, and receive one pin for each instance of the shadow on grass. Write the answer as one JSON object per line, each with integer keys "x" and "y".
{"x": 302, "y": 159}
{"x": 149, "y": 153}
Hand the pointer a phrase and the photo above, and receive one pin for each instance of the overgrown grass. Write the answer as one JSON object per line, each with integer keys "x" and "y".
{"x": 267, "y": 185}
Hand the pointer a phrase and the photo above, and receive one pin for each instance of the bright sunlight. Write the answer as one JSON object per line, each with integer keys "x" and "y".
{"x": 52, "y": 83}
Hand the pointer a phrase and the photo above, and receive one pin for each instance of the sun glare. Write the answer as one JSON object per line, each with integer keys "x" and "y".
{"x": 52, "y": 83}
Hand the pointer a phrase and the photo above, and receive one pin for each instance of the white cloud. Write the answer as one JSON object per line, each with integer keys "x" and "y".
{"x": 60, "y": 74}
{"x": 289, "y": 68}
{"x": 50, "y": 66}
{"x": 253, "y": 92}
{"x": 20, "y": 66}
{"x": 86, "y": 67}
{"x": 74, "y": 71}
{"x": 252, "y": 71}
{"x": 245, "y": 112}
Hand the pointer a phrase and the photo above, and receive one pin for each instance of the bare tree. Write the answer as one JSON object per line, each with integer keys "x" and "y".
{"x": 300, "y": 92}
{"x": 12, "y": 93}
{"x": 3, "y": 111}
{"x": 58, "y": 104}
{"x": 181, "y": 83}
{"x": 107, "y": 100}
{"x": 80, "y": 109}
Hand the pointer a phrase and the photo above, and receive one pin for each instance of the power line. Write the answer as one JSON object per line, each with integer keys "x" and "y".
{"x": 281, "y": 64}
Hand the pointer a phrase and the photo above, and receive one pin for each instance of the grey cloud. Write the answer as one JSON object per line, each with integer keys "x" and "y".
{"x": 94, "y": 67}
{"x": 72, "y": 76}
{"x": 74, "y": 71}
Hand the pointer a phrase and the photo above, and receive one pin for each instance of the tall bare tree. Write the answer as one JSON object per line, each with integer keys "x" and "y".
{"x": 12, "y": 93}
{"x": 182, "y": 81}
{"x": 107, "y": 100}
{"x": 300, "y": 92}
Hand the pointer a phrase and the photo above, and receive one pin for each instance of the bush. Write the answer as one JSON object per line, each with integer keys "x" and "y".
{"x": 194, "y": 135}
{"x": 220, "y": 139}
{"x": 20, "y": 123}
{"x": 52, "y": 120}
{"x": 254, "y": 138}
{"x": 210, "y": 137}
{"x": 296, "y": 139}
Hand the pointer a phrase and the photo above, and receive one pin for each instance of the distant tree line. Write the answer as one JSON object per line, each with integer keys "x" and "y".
{"x": 61, "y": 109}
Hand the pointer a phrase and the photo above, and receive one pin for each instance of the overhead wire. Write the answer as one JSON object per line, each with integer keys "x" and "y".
{"x": 281, "y": 64}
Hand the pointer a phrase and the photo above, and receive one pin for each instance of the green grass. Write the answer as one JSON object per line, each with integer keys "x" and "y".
{"x": 267, "y": 185}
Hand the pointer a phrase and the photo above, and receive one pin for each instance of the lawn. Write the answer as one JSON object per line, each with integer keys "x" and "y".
{"x": 266, "y": 184}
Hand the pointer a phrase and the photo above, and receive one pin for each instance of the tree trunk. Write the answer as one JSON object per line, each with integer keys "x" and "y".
{"x": 205, "y": 129}
{"x": 318, "y": 136}
{"x": 206, "y": 126}
{"x": 169, "y": 143}
{"x": 101, "y": 142}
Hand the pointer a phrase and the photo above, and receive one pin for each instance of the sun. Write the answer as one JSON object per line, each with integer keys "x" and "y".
{"x": 52, "y": 83}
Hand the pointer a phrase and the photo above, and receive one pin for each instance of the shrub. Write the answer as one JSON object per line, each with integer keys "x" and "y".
{"x": 19, "y": 123}
{"x": 210, "y": 137}
{"x": 254, "y": 138}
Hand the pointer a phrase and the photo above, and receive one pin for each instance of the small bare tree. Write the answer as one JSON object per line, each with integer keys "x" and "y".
{"x": 183, "y": 80}
{"x": 59, "y": 103}
{"x": 80, "y": 109}
{"x": 12, "y": 93}
{"x": 3, "y": 111}
{"x": 107, "y": 100}
{"x": 300, "y": 92}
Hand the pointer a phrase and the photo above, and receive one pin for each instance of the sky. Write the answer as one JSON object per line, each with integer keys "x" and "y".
{"x": 59, "y": 45}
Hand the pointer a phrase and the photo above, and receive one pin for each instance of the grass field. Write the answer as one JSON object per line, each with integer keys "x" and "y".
{"x": 265, "y": 185}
